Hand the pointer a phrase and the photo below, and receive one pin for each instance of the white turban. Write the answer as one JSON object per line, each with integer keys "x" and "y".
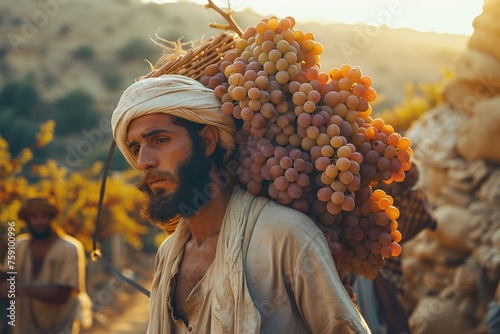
{"x": 175, "y": 95}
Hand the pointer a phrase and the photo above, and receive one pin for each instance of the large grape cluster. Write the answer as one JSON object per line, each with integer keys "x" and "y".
{"x": 307, "y": 140}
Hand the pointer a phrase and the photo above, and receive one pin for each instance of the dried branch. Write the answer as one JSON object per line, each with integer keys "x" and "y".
{"x": 232, "y": 24}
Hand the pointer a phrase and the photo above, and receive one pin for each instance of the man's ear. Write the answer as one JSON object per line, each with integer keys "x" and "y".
{"x": 210, "y": 136}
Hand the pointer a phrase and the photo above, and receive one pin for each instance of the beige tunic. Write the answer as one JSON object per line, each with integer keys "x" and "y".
{"x": 287, "y": 285}
{"x": 64, "y": 265}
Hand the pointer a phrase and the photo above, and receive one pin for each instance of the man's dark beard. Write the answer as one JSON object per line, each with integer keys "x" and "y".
{"x": 39, "y": 235}
{"x": 191, "y": 195}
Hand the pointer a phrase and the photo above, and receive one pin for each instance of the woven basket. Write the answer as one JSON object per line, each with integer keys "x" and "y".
{"x": 193, "y": 62}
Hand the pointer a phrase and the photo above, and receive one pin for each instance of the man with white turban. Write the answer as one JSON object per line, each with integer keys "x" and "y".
{"x": 237, "y": 263}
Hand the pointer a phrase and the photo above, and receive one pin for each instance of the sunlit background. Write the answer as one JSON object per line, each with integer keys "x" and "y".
{"x": 447, "y": 16}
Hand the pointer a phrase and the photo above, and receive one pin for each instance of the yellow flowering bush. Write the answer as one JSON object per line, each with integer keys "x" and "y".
{"x": 75, "y": 193}
{"x": 417, "y": 100}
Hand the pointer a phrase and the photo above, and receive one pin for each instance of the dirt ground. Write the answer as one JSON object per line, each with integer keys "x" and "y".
{"x": 119, "y": 308}
{"x": 131, "y": 320}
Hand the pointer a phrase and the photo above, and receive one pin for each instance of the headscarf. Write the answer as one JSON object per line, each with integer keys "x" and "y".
{"x": 175, "y": 95}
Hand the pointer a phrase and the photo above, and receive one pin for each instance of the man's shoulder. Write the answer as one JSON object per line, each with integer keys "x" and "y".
{"x": 69, "y": 242}
{"x": 166, "y": 243}
{"x": 280, "y": 211}
{"x": 275, "y": 216}
{"x": 22, "y": 238}
{"x": 284, "y": 213}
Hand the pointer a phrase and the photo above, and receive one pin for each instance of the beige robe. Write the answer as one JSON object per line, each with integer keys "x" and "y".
{"x": 287, "y": 283}
{"x": 64, "y": 265}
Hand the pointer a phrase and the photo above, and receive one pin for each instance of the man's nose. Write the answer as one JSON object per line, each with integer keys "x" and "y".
{"x": 146, "y": 159}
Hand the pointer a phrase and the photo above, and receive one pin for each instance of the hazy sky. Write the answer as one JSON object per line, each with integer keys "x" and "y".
{"x": 443, "y": 16}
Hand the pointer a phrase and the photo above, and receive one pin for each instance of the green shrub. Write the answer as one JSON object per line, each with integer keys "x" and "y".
{"x": 137, "y": 48}
{"x": 84, "y": 52}
{"x": 75, "y": 112}
{"x": 20, "y": 96}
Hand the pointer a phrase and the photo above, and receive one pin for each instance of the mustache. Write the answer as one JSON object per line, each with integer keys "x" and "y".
{"x": 146, "y": 179}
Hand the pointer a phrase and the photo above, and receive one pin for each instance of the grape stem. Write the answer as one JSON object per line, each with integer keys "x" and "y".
{"x": 232, "y": 24}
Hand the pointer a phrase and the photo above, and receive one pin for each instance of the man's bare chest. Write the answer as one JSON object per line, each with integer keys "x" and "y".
{"x": 193, "y": 267}
{"x": 38, "y": 255}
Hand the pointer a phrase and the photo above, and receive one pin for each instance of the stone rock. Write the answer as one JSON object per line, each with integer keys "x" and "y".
{"x": 433, "y": 179}
{"x": 463, "y": 95}
{"x": 434, "y": 135}
{"x": 464, "y": 279}
{"x": 478, "y": 138}
{"x": 489, "y": 192}
{"x": 486, "y": 36}
{"x": 435, "y": 315}
{"x": 453, "y": 228}
{"x": 477, "y": 66}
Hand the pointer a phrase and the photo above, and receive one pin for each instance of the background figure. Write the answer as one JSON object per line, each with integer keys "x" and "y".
{"x": 50, "y": 281}
{"x": 378, "y": 298}
{"x": 352, "y": 295}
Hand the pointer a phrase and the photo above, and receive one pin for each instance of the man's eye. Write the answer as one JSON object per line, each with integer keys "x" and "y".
{"x": 162, "y": 140}
{"x": 135, "y": 150}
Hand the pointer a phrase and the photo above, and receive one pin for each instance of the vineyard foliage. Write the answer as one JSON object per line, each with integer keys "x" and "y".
{"x": 75, "y": 193}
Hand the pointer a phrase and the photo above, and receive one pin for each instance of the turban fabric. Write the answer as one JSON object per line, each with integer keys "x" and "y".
{"x": 175, "y": 95}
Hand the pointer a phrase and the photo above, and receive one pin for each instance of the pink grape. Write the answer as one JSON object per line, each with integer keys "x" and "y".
{"x": 291, "y": 175}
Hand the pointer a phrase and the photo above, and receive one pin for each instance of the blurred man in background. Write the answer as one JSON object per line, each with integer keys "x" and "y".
{"x": 50, "y": 292}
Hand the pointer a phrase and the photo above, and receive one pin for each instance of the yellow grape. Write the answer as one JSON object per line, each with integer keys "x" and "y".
{"x": 398, "y": 176}
{"x": 391, "y": 199}
{"x": 384, "y": 203}
{"x": 335, "y": 74}
{"x": 308, "y": 45}
{"x": 393, "y": 139}
{"x": 378, "y": 194}
{"x": 332, "y": 171}
{"x": 395, "y": 249}
{"x": 327, "y": 151}
{"x": 268, "y": 35}
{"x": 403, "y": 156}
{"x": 336, "y": 141}
{"x": 344, "y": 70}
{"x": 396, "y": 236}
{"x": 345, "y": 84}
{"x": 378, "y": 123}
{"x": 366, "y": 81}
{"x": 371, "y": 132}
{"x": 370, "y": 94}
{"x": 337, "y": 197}
{"x": 387, "y": 129}
{"x": 323, "y": 139}
{"x": 282, "y": 65}
{"x": 282, "y": 77}
{"x": 403, "y": 143}
{"x": 354, "y": 74}
{"x": 299, "y": 35}
{"x": 285, "y": 24}
{"x": 299, "y": 98}
{"x": 273, "y": 24}
{"x": 318, "y": 48}
{"x": 392, "y": 212}
{"x": 309, "y": 107}
{"x": 344, "y": 152}
{"x": 394, "y": 225}
{"x": 405, "y": 166}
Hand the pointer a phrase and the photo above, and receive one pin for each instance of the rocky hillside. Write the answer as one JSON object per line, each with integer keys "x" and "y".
{"x": 100, "y": 46}
{"x": 453, "y": 273}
